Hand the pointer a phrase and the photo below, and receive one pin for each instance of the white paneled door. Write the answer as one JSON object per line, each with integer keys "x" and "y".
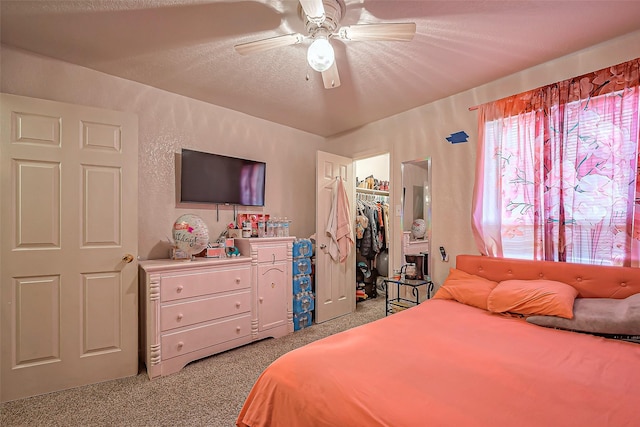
{"x": 68, "y": 231}
{"x": 335, "y": 282}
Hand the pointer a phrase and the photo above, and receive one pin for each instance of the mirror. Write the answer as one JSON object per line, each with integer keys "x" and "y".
{"x": 416, "y": 213}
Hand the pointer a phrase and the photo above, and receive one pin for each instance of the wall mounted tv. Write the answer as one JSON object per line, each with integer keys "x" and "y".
{"x": 216, "y": 179}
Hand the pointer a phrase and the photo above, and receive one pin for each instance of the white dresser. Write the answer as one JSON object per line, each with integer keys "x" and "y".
{"x": 271, "y": 278}
{"x": 193, "y": 309}
{"x": 412, "y": 246}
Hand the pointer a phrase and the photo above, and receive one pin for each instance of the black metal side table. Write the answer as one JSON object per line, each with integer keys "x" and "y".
{"x": 397, "y": 303}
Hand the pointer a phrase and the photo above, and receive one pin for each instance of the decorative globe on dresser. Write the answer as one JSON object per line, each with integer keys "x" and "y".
{"x": 418, "y": 228}
{"x": 190, "y": 234}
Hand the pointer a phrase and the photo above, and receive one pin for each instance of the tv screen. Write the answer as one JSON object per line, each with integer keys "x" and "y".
{"x": 212, "y": 178}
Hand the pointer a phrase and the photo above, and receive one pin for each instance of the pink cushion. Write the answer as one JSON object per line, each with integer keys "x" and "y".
{"x": 466, "y": 288}
{"x": 541, "y": 296}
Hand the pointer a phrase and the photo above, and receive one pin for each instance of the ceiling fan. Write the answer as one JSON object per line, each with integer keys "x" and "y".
{"x": 321, "y": 19}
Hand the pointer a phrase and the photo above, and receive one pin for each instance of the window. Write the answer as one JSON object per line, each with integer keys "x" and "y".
{"x": 556, "y": 174}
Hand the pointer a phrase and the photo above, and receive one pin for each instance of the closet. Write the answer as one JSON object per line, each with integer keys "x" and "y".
{"x": 372, "y": 224}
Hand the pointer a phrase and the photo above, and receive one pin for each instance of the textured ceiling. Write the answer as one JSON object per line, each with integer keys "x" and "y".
{"x": 187, "y": 47}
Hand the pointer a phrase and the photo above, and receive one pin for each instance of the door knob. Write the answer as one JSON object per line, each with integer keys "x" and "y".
{"x": 127, "y": 258}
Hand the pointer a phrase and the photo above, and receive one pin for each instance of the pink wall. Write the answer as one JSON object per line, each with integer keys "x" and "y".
{"x": 421, "y": 133}
{"x": 169, "y": 122}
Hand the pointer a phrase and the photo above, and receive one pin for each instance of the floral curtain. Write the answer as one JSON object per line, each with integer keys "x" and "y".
{"x": 557, "y": 168}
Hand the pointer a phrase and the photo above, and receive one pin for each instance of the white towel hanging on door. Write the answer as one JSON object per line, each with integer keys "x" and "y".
{"x": 339, "y": 224}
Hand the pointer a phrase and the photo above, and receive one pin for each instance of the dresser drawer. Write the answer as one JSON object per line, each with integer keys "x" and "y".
{"x": 188, "y": 313}
{"x": 179, "y": 343}
{"x": 272, "y": 254}
{"x": 185, "y": 285}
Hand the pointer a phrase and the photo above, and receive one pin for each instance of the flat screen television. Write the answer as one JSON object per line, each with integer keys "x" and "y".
{"x": 216, "y": 179}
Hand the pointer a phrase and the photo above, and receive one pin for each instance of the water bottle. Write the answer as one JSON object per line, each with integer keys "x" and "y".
{"x": 285, "y": 227}
{"x": 246, "y": 229}
{"x": 271, "y": 231}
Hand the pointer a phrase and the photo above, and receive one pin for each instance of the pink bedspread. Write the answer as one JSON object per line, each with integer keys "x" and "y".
{"x": 447, "y": 364}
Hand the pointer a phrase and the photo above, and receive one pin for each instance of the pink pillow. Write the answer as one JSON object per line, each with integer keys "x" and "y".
{"x": 547, "y": 297}
{"x": 466, "y": 288}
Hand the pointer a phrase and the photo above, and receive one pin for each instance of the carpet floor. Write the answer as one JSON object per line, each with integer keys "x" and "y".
{"x": 208, "y": 392}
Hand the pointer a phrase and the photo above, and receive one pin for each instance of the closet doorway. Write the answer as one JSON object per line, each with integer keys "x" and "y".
{"x": 373, "y": 224}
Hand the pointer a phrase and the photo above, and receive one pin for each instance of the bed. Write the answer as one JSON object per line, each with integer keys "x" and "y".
{"x": 449, "y": 363}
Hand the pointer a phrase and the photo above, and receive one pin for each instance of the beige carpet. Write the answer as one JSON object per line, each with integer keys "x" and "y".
{"x": 208, "y": 392}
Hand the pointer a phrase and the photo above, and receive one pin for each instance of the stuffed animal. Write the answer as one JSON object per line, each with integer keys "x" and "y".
{"x": 232, "y": 251}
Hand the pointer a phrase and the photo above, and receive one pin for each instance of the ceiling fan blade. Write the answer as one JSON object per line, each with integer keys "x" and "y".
{"x": 330, "y": 77}
{"x": 388, "y": 31}
{"x": 270, "y": 43}
{"x": 314, "y": 9}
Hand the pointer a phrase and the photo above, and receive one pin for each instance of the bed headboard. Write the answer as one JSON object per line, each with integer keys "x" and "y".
{"x": 591, "y": 281}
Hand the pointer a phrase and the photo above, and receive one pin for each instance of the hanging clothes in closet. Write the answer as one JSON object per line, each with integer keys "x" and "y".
{"x": 372, "y": 224}
{"x": 371, "y": 230}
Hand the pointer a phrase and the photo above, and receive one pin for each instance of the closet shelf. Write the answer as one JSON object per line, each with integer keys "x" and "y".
{"x": 370, "y": 191}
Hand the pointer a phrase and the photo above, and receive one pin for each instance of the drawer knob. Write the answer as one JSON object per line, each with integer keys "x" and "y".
{"x": 179, "y": 288}
{"x": 180, "y": 345}
{"x": 237, "y": 280}
{"x": 238, "y": 304}
{"x": 180, "y": 316}
{"x": 238, "y": 328}
{"x": 260, "y": 299}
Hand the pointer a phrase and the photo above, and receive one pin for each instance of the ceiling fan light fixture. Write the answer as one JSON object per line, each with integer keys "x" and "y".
{"x": 320, "y": 54}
